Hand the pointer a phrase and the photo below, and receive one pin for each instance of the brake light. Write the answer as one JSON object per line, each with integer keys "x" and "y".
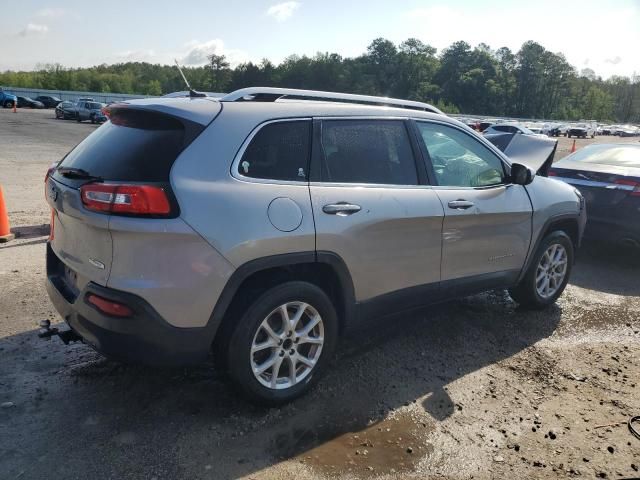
{"x": 109, "y": 307}
{"x": 125, "y": 199}
{"x": 630, "y": 183}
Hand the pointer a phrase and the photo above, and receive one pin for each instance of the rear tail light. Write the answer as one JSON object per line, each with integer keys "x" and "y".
{"x": 126, "y": 199}
{"x": 630, "y": 183}
{"x": 109, "y": 307}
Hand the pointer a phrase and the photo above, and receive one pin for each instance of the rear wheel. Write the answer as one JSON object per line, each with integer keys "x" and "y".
{"x": 283, "y": 343}
{"x": 548, "y": 273}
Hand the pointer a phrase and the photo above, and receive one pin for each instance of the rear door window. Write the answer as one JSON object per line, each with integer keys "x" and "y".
{"x": 279, "y": 151}
{"x": 134, "y": 146}
{"x": 367, "y": 151}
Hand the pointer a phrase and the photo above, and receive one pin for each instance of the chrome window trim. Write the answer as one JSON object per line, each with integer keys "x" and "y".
{"x": 235, "y": 170}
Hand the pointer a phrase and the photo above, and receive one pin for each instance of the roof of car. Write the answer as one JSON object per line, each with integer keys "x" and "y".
{"x": 205, "y": 109}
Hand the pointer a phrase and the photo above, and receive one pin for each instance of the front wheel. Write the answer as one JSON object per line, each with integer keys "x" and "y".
{"x": 283, "y": 343}
{"x": 548, "y": 274}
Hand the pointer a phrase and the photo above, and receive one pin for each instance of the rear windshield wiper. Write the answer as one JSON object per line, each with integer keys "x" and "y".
{"x": 78, "y": 173}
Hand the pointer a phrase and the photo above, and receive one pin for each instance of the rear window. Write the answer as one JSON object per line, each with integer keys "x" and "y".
{"x": 134, "y": 146}
{"x": 618, "y": 155}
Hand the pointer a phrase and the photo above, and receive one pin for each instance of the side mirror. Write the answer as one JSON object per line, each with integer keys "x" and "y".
{"x": 521, "y": 175}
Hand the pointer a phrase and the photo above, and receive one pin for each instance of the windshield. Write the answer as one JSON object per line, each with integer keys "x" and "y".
{"x": 616, "y": 155}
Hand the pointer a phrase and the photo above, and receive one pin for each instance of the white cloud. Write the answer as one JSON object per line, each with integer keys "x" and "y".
{"x": 283, "y": 11}
{"x": 197, "y": 52}
{"x": 614, "y": 61}
{"x": 33, "y": 29}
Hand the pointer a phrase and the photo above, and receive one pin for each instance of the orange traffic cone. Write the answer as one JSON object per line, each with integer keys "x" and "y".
{"x": 5, "y": 230}
{"x": 573, "y": 147}
{"x": 15, "y": 106}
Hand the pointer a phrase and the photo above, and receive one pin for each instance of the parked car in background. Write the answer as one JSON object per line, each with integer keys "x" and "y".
{"x": 149, "y": 264}
{"x": 66, "y": 110}
{"x": 626, "y": 131}
{"x": 508, "y": 128}
{"x": 581, "y": 130}
{"x": 7, "y": 100}
{"x": 557, "y": 130}
{"x": 91, "y": 111}
{"x": 27, "y": 102}
{"x": 48, "y": 101}
{"x": 608, "y": 175}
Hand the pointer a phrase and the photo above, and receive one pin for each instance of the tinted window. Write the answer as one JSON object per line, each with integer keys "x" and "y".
{"x": 505, "y": 128}
{"x": 133, "y": 146}
{"x": 367, "y": 151}
{"x": 279, "y": 151}
{"x": 459, "y": 160}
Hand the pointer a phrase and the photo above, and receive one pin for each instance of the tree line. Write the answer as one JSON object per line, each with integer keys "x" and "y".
{"x": 530, "y": 83}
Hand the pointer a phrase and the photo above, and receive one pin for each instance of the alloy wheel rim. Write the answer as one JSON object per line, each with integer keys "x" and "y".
{"x": 551, "y": 270}
{"x": 287, "y": 345}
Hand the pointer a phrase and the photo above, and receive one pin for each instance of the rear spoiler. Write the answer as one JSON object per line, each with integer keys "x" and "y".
{"x": 533, "y": 151}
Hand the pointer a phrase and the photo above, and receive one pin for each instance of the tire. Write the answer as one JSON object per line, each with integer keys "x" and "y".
{"x": 78, "y": 118}
{"x": 8, "y": 104}
{"x": 527, "y": 293}
{"x": 240, "y": 362}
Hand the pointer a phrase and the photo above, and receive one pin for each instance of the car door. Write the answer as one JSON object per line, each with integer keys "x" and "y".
{"x": 487, "y": 220}
{"x": 373, "y": 208}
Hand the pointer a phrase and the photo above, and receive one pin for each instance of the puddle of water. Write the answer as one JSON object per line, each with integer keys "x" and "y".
{"x": 393, "y": 445}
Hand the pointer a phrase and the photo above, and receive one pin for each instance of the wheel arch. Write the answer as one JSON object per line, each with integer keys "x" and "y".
{"x": 568, "y": 223}
{"x": 323, "y": 269}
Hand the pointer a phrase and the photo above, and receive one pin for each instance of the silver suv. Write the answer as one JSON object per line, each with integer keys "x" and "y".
{"x": 264, "y": 224}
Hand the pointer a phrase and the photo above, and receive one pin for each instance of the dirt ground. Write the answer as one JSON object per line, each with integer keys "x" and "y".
{"x": 474, "y": 388}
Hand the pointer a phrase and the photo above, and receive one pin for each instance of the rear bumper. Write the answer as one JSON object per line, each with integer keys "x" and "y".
{"x": 145, "y": 337}
{"x": 621, "y": 231}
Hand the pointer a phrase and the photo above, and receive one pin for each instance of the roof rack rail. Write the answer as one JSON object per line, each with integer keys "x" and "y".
{"x": 271, "y": 94}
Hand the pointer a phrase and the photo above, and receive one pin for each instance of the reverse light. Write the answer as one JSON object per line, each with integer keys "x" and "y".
{"x": 109, "y": 307}
{"x": 125, "y": 199}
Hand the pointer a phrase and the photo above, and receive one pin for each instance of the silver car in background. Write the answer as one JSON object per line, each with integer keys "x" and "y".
{"x": 90, "y": 110}
{"x": 265, "y": 224}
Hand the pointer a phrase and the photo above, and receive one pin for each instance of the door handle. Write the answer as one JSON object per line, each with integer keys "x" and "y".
{"x": 341, "y": 208}
{"x": 460, "y": 204}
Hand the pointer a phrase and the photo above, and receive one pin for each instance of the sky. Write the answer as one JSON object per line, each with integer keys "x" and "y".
{"x": 603, "y": 36}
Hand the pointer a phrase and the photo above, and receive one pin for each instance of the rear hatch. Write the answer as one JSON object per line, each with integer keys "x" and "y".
{"x": 122, "y": 168}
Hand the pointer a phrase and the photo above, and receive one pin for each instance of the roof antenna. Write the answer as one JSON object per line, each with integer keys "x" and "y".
{"x": 192, "y": 92}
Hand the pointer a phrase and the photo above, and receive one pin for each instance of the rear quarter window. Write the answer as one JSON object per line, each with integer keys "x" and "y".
{"x": 279, "y": 151}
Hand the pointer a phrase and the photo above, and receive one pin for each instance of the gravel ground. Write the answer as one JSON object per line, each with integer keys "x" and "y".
{"x": 474, "y": 388}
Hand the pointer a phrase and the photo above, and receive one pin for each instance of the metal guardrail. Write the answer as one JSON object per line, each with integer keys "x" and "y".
{"x": 72, "y": 95}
